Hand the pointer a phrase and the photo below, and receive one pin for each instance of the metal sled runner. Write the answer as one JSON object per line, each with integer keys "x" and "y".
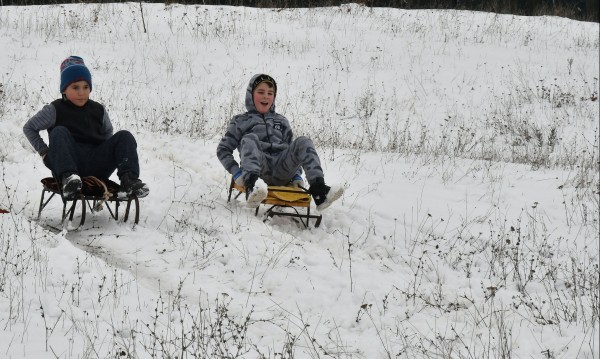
{"x": 279, "y": 197}
{"x": 89, "y": 197}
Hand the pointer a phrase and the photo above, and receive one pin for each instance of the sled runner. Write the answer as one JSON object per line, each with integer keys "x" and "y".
{"x": 94, "y": 194}
{"x": 279, "y": 197}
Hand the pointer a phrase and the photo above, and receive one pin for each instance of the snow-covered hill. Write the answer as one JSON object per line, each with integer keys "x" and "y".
{"x": 468, "y": 142}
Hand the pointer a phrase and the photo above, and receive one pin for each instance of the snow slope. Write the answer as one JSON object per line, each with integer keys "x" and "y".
{"x": 469, "y": 228}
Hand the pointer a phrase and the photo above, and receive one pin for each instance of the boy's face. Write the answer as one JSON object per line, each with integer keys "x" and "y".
{"x": 78, "y": 93}
{"x": 263, "y": 97}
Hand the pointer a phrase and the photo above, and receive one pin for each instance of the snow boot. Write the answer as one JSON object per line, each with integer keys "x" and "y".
{"x": 71, "y": 186}
{"x": 256, "y": 191}
{"x": 324, "y": 195}
{"x": 132, "y": 186}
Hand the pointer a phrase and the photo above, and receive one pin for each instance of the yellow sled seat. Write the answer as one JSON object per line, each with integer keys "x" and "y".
{"x": 278, "y": 197}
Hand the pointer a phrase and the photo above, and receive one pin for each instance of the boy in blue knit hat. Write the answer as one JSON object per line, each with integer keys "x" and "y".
{"x": 268, "y": 152}
{"x": 81, "y": 139}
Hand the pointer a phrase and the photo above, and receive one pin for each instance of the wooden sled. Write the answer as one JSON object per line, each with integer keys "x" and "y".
{"x": 89, "y": 198}
{"x": 298, "y": 199}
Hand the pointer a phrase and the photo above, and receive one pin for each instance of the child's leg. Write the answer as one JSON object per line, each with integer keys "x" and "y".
{"x": 118, "y": 152}
{"x": 300, "y": 153}
{"x": 63, "y": 152}
{"x": 252, "y": 158}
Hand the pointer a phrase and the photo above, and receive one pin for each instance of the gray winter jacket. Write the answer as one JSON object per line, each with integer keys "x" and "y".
{"x": 273, "y": 130}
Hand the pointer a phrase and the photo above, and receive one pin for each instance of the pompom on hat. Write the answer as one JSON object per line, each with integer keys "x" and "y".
{"x": 73, "y": 69}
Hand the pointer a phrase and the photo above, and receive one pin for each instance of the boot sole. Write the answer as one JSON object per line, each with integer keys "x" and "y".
{"x": 138, "y": 192}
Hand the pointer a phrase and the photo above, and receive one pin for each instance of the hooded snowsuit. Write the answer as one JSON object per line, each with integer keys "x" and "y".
{"x": 266, "y": 146}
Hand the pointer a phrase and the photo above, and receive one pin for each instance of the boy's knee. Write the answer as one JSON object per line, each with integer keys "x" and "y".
{"x": 250, "y": 137}
{"x": 59, "y": 131}
{"x": 124, "y": 135}
{"x": 304, "y": 142}
{"x": 303, "y": 139}
{"x": 249, "y": 140}
{"x": 60, "y": 135}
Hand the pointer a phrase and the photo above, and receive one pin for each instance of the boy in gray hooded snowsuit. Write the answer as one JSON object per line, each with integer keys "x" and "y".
{"x": 268, "y": 150}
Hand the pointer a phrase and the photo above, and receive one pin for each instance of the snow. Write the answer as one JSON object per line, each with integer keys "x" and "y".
{"x": 467, "y": 142}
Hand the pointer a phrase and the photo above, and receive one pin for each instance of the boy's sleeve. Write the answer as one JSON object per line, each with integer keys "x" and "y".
{"x": 42, "y": 120}
{"x": 228, "y": 144}
{"x": 107, "y": 127}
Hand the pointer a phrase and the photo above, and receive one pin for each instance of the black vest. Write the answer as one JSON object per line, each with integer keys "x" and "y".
{"x": 84, "y": 123}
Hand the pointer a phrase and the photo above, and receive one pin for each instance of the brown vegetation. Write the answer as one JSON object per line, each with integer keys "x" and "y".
{"x": 586, "y": 10}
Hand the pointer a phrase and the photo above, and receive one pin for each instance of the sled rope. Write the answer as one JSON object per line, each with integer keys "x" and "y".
{"x": 91, "y": 181}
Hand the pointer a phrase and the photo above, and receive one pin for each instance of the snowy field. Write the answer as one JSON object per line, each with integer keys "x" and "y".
{"x": 468, "y": 143}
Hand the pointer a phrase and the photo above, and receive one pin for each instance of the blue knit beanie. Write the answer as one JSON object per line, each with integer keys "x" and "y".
{"x": 72, "y": 69}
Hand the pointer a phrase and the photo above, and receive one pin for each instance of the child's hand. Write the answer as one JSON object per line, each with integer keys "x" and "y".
{"x": 43, "y": 153}
{"x": 238, "y": 178}
{"x": 297, "y": 181}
